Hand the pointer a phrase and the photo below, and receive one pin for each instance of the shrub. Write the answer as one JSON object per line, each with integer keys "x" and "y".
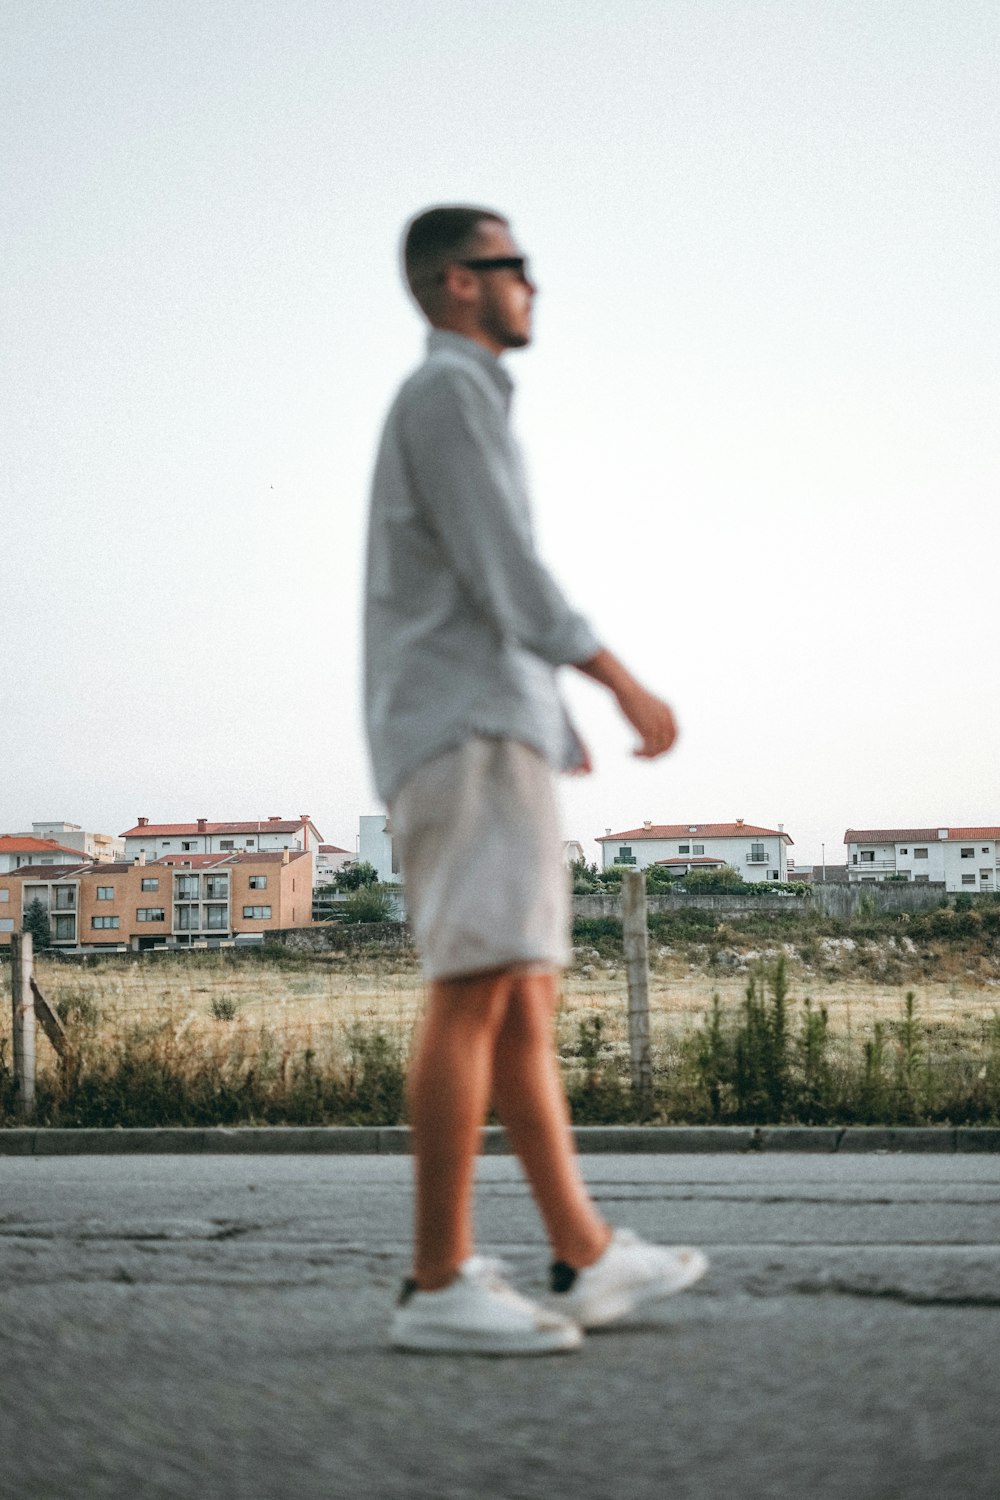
{"x": 369, "y": 903}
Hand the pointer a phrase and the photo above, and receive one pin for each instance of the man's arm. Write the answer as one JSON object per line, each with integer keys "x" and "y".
{"x": 648, "y": 715}
{"x": 460, "y": 461}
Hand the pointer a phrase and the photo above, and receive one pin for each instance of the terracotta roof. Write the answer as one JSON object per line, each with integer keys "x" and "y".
{"x": 189, "y": 830}
{"x": 917, "y": 835}
{"x": 694, "y": 830}
{"x": 332, "y": 849}
{"x": 14, "y": 843}
{"x": 230, "y": 857}
{"x": 45, "y": 872}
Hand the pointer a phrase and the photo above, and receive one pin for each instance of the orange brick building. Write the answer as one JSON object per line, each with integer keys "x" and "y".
{"x": 179, "y": 901}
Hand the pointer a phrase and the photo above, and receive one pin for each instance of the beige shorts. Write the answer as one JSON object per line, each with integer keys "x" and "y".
{"x": 477, "y": 831}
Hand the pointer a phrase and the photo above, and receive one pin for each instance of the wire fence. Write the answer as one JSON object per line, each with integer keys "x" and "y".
{"x": 324, "y": 1036}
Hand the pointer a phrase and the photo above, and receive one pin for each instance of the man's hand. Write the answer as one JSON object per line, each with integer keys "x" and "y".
{"x": 649, "y": 715}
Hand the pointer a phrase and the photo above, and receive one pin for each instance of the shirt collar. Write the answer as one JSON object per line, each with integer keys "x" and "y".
{"x": 457, "y": 343}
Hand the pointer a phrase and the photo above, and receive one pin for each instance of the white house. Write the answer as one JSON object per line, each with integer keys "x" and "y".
{"x": 329, "y": 859}
{"x": 966, "y": 859}
{"x": 266, "y": 835}
{"x": 17, "y": 849}
{"x": 757, "y": 853}
{"x": 375, "y": 847}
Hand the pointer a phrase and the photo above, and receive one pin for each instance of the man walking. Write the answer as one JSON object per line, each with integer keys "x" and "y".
{"x": 464, "y": 632}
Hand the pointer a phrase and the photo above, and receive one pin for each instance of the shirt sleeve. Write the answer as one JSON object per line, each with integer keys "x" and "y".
{"x": 465, "y": 474}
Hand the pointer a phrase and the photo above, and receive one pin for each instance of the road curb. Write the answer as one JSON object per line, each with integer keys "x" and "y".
{"x": 394, "y": 1140}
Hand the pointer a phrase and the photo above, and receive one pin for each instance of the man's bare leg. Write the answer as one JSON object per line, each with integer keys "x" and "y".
{"x": 448, "y": 1092}
{"x": 529, "y": 1098}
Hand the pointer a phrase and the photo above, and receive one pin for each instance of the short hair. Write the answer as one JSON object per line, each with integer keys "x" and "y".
{"x": 435, "y": 237}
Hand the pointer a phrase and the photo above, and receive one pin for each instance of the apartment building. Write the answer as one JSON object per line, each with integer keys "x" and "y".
{"x": 965, "y": 859}
{"x": 757, "y": 853}
{"x": 204, "y": 837}
{"x": 177, "y": 902}
{"x": 88, "y": 844}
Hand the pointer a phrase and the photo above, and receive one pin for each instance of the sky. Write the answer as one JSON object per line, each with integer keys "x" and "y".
{"x": 759, "y": 413}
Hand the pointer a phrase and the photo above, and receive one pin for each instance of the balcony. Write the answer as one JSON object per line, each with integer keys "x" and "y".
{"x": 758, "y": 857}
{"x": 868, "y": 866}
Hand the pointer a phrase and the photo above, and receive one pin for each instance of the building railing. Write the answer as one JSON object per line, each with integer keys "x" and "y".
{"x": 874, "y": 864}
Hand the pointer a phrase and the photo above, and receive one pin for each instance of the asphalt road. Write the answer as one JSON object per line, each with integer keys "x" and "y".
{"x": 213, "y": 1327}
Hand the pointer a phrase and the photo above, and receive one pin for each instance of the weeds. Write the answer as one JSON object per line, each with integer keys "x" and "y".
{"x": 759, "y": 1069}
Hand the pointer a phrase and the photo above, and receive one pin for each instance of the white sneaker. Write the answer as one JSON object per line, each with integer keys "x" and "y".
{"x": 631, "y": 1274}
{"x": 479, "y": 1313}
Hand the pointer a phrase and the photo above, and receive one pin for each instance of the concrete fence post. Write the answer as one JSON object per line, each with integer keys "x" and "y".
{"x": 636, "y": 941}
{"x": 21, "y": 965}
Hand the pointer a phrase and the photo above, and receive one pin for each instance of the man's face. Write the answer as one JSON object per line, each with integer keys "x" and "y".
{"x": 505, "y": 295}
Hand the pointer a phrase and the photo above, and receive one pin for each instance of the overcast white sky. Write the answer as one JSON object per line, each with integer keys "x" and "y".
{"x": 760, "y": 414}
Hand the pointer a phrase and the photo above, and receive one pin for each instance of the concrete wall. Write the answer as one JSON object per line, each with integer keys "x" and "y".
{"x": 833, "y": 900}
{"x": 846, "y": 900}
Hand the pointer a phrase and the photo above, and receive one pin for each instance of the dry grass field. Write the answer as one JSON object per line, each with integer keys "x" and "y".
{"x": 212, "y": 1005}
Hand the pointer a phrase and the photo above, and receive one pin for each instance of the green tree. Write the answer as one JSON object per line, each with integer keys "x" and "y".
{"x": 36, "y": 921}
{"x": 583, "y": 877}
{"x": 353, "y": 877}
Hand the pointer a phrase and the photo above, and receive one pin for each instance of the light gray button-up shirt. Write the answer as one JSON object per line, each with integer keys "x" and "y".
{"x": 464, "y": 628}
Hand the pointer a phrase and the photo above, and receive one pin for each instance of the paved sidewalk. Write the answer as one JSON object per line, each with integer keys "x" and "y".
{"x": 393, "y": 1140}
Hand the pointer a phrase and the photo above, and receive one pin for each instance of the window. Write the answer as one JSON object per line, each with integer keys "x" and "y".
{"x": 757, "y": 854}
{"x": 968, "y": 879}
{"x": 189, "y": 845}
{"x": 920, "y": 854}
{"x": 249, "y": 843}
{"x": 65, "y": 898}
{"x": 258, "y": 882}
{"x": 216, "y": 918}
{"x": 625, "y": 855}
{"x": 904, "y": 851}
{"x": 186, "y": 919}
{"x": 968, "y": 853}
{"x": 985, "y": 850}
{"x": 921, "y": 880}
{"x": 150, "y": 914}
{"x": 698, "y": 849}
{"x": 164, "y": 843}
{"x": 683, "y": 848}
{"x": 46, "y": 859}
{"x": 6, "y": 924}
{"x": 104, "y": 921}
{"x": 986, "y": 876}
{"x": 258, "y": 912}
{"x": 4, "y": 893}
{"x": 868, "y": 856}
{"x": 216, "y": 887}
{"x": 226, "y": 844}
{"x": 186, "y": 888}
{"x": 105, "y": 893}
{"x": 64, "y": 930}
{"x": 150, "y": 883}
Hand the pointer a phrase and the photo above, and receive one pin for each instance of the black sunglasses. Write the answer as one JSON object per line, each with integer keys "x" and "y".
{"x": 518, "y": 263}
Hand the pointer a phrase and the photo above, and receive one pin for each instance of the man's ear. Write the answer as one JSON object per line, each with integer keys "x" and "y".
{"x": 461, "y": 284}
